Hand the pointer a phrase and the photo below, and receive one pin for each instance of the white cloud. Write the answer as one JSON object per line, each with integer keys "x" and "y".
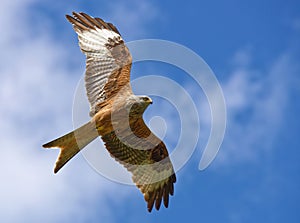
{"x": 242, "y": 57}
{"x": 36, "y": 93}
{"x": 256, "y": 102}
{"x": 30, "y": 111}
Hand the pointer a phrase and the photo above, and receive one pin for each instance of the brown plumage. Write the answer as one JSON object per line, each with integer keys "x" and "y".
{"x": 116, "y": 113}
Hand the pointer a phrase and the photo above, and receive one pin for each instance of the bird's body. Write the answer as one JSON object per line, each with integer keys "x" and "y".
{"x": 116, "y": 113}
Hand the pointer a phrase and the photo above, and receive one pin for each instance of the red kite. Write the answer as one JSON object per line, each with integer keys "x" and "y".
{"x": 116, "y": 113}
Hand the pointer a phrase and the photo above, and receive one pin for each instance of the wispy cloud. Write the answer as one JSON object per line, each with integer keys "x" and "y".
{"x": 256, "y": 102}
{"x": 32, "y": 79}
{"x": 36, "y": 93}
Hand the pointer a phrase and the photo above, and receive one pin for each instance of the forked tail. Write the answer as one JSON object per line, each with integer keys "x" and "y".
{"x": 71, "y": 143}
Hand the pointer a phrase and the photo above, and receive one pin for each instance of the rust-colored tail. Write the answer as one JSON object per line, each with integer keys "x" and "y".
{"x": 71, "y": 143}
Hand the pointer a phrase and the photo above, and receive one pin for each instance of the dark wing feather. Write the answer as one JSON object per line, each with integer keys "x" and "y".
{"x": 108, "y": 61}
{"x": 146, "y": 157}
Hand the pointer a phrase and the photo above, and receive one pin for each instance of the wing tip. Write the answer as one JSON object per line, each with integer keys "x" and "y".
{"x": 85, "y": 21}
{"x": 155, "y": 198}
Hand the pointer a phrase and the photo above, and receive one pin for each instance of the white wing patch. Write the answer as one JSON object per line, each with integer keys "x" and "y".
{"x": 97, "y": 74}
{"x": 106, "y": 52}
{"x": 100, "y": 62}
{"x": 94, "y": 40}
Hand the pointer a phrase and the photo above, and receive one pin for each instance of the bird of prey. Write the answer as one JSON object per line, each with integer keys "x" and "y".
{"x": 116, "y": 113}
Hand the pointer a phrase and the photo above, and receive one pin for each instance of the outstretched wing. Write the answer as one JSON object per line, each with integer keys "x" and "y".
{"x": 146, "y": 157}
{"x": 108, "y": 60}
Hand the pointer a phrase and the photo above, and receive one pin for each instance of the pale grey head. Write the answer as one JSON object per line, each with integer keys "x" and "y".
{"x": 138, "y": 104}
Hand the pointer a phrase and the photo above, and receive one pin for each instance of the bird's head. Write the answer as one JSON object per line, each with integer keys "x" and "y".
{"x": 138, "y": 104}
{"x": 145, "y": 100}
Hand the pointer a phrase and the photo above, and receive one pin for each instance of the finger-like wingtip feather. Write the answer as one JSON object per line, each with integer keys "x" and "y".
{"x": 158, "y": 199}
{"x": 151, "y": 201}
{"x": 166, "y": 197}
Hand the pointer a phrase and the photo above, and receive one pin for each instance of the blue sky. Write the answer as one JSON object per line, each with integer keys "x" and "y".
{"x": 253, "y": 49}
